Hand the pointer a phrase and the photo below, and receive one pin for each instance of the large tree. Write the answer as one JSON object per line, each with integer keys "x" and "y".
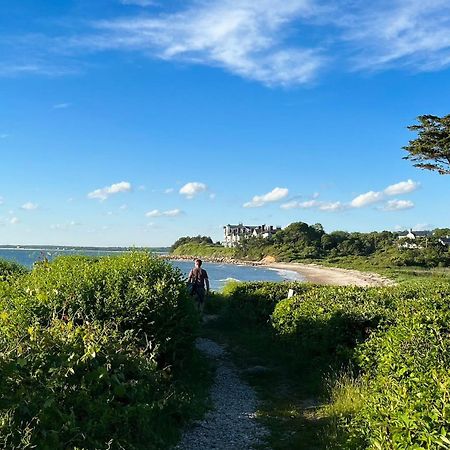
{"x": 431, "y": 149}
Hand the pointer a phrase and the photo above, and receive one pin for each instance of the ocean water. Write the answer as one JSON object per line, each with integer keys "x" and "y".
{"x": 219, "y": 274}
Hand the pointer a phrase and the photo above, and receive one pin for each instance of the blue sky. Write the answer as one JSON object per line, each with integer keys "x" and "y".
{"x": 133, "y": 122}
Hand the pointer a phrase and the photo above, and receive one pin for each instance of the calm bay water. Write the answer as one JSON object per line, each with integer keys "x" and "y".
{"x": 219, "y": 274}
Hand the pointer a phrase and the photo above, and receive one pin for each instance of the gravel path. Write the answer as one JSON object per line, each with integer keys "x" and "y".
{"x": 231, "y": 424}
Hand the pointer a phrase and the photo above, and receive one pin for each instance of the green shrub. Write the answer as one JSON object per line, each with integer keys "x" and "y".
{"x": 96, "y": 354}
{"x": 67, "y": 386}
{"x": 406, "y": 367}
{"x": 10, "y": 269}
{"x": 255, "y": 301}
{"x": 136, "y": 291}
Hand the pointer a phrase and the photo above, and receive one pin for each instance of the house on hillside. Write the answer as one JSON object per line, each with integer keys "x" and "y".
{"x": 235, "y": 234}
{"x": 413, "y": 239}
{"x": 445, "y": 241}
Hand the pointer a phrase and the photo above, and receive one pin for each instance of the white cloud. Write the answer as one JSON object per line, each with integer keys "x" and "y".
{"x": 310, "y": 204}
{"x": 64, "y": 226}
{"x": 246, "y": 38}
{"x": 123, "y": 207}
{"x": 295, "y": 204}
{"x": 275, "y": 42}
{"x": 371, "y": 197}
{"x": 169, "y": 190}
{"x": 423, "y": 227}
{"x": 212, "y": 196}
{"x": 104, "y": 193}
{"x": 366, "y": 199}
{"x": 190, "y": 190}
{"x": 398, "y": 205}
{"x": 169, "y": 213}
{"x": 14, "y": 220}
{"x": 331, "y": 206}
{"x": 29, "y": 206}
{"x": 274, "y": 195}
{"x": 404, "y": 187}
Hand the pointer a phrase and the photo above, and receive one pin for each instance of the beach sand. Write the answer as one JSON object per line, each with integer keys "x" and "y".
{"x": 333, "y": 275}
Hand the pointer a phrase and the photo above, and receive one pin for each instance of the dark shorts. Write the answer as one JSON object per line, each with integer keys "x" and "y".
{"x": 200, "y": 294}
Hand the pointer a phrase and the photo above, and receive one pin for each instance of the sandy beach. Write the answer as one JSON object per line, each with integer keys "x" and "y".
{"x": 333, "y": 275}
{"x": 313, "y": 273}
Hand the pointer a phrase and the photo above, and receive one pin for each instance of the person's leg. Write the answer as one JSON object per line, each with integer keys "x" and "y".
{"x": 200, "y": 299}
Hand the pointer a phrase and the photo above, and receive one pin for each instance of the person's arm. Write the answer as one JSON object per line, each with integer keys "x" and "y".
{"x": 207, "y": 282}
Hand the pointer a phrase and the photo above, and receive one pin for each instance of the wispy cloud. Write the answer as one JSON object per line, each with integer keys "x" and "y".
{"x": 398, "y": 205}
{"x": 64, "y": 226}
{"x": 275, "y": 195}
{"x": 169, "y": 213}
{"x": 314, "y": 204}
{"x": 30, "y": 206}
{"x": 192, "y": 189}
{"x": 104, "y": 193}
{"x": 62, "y": 105}
{"x": 399, "y": 33}
{"x": 14, "y": 220}
{"x": 246, "y": 38}
{"x": 142, "y": 3}
{"x": 274, "y": 42}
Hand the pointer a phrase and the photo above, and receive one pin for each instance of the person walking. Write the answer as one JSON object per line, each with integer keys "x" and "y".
{"x": 198, "y": 278}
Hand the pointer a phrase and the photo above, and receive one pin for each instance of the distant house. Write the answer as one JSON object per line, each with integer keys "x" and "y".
{"x": 235, "y": 234}
{"x": 409, "y": 236}
{"x": 445, "y": 241}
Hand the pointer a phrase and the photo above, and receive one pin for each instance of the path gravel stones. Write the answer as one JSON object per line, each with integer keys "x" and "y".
{"x": 231, "y": 424}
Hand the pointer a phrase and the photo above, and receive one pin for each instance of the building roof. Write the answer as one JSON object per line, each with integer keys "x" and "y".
{"x": 423, "y": 233}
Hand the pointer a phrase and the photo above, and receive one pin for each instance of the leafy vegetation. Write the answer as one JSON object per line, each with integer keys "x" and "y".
{"x": 310, "y": 243}
{"x": 97, "y": 353}
{"x": 206, "y": 240}
{"x": 380, "y": 357}
{"x": 431, "y": 149}
{"x": 204, "y": 251}
{"x": 10, "y": 269}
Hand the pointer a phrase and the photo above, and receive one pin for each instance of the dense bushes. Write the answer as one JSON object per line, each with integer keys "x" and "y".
{"x": 10, "y": 268}
{"x": 191, "y": 240}
{"x": 395, "y": 341}
{"x": 405, "y": 368}
{"x": 255, "y": 301}
{"x": 204, "y": 251}
{"x": 92, "y": 352}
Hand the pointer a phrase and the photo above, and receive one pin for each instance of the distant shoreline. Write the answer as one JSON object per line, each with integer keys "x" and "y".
{"x": 312, "y": 273}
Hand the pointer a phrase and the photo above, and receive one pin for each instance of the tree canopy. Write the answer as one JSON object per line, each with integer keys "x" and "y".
{"x": 431, "y": 149}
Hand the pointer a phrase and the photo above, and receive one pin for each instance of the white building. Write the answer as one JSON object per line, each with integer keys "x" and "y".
{"x": 235, "y": 234}
{"x": 412, "y": 238}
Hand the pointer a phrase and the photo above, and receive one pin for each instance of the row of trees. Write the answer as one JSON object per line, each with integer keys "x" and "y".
{"x": 300, "y": 241}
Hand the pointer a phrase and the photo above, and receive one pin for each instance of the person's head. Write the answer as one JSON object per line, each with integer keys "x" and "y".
{"x": 198, "y": 263}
